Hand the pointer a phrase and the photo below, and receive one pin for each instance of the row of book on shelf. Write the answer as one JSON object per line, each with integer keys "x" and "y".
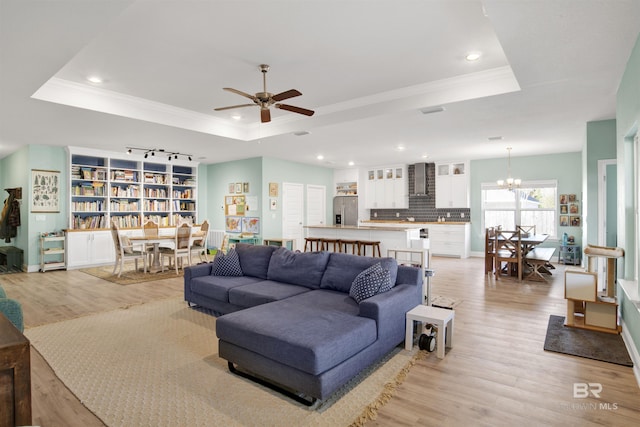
{"x": 127, "y": 221}
{"x": 93, "y": 221}
{"x": 93, "y": 206}
{"x": 94, "y": 189}
{"x": 124, "y": 206}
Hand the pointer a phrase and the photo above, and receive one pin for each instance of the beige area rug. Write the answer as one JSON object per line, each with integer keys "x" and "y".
{"x": 156, "y": 364}
{"x": 129, "y": 274}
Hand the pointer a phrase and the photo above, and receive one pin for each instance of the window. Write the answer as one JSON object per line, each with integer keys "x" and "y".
{"x": 534, "y": 203}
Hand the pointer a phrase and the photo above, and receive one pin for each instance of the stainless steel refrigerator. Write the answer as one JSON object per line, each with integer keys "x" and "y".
{"x": 345, "y": 210}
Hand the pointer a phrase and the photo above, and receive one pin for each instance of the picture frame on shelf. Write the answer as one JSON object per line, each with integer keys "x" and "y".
{"x": 45, "y": 191}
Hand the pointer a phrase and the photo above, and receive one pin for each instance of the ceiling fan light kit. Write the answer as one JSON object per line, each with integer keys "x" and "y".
{"x": 265, "y": 99}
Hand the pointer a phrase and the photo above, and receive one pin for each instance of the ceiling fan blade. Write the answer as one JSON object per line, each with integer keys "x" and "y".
{"x": 239, "y": 92}
{"x": 265, "y": 115}
{"x": 293, "y": 109}
{"x": 286, "y": 95}
{"x": 234, "y": 106}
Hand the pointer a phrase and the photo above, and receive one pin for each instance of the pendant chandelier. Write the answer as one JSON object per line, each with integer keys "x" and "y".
{"x": 509, "y": 183}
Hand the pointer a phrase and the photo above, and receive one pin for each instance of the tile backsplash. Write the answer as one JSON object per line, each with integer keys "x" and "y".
{"x": 422, "y": 208}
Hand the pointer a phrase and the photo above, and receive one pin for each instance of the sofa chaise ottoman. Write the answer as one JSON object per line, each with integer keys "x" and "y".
{"x": 292, "y": 319}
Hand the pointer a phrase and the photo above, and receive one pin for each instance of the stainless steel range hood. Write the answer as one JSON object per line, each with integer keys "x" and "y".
{"x": 420, "y": 184}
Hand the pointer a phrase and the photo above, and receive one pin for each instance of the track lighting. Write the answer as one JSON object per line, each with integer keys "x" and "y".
{"x": 171, "y": 155}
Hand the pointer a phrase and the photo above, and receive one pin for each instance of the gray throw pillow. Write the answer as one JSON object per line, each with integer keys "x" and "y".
{"x": 372, "y": 281}
{"x": 226, "y": 265}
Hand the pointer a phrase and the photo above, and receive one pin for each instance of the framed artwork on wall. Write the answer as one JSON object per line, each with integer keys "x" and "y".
{"x": 233, "y": 224}
{"x": 245, "y": 187}
{"x": 45, "y": 190}
{"x": 238, "y": 188}
{"x": 273, "y": 189}
{"x": 251, "y": 225}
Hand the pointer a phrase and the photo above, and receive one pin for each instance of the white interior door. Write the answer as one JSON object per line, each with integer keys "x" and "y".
{"x": 316, "y": 205}
{"x": 292, "y": 212}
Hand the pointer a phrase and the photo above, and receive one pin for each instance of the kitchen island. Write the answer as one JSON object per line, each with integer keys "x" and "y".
{"x": 389, "y": 237}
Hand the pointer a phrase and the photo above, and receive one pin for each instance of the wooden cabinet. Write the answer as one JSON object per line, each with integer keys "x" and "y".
{"x": 52, "y": 252}
{"x": 387, "y": 188}
{"x": 452, "y": 185}
{"x": 450, "y": 239}
{"x": 87, "y": 248}
{"x": 130, "y": 190}
{"x": 15, "y": 376}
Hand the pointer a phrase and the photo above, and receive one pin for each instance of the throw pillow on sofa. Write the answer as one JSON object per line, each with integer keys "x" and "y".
{"x": 372, "y": 281}
{"x": 226, "y": 265}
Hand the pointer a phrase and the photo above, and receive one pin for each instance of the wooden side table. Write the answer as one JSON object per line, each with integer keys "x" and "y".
{"x": 441, "y": 317}
{"x": 15, "y": 376}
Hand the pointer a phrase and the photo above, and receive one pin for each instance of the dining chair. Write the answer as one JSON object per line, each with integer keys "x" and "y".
{"x": 181, "y": 247}
{"x": 509, "y": 251}
{"x": 125, "y": 250}
{"x": 489, "y": 249}
{"x": 526, "y": 229}
{"x": 151, "y": 230}
{"x": 199, "y": 244}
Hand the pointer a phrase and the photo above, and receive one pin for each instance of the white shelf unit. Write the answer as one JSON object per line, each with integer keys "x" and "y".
{"x": 52, "y": 253}
{"x": 130, "y": 189}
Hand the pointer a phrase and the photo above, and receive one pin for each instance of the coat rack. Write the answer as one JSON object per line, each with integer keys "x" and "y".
{"x": 16, "y": 192}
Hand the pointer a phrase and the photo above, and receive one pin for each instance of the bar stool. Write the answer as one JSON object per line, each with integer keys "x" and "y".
{"x": 309, "y": 241}
{"x": 364, "y": 244}
{"x": 344, "y": 246}
{"x": 326, "y": 242}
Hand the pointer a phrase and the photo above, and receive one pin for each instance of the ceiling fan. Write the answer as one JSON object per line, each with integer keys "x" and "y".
{"x": 264, "y": 99}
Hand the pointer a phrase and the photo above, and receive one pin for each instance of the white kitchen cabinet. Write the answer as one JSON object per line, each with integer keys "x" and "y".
{"x": 452, "y": 185}
{"x": 345, "y": 182}
{"x": 387, "y": 188}
{"x": 450, "y": 239}
{"x": 88, "y": 248}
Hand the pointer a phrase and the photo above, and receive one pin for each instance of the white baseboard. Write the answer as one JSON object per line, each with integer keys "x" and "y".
{"x": 633, "y": 351}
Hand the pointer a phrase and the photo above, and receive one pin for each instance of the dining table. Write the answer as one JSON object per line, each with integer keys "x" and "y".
{"x": 527, "y": 243}
{"x": 155, "y": 266}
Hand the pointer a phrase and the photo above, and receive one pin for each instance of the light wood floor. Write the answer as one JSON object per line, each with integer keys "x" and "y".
{"x": 496, "y": 374}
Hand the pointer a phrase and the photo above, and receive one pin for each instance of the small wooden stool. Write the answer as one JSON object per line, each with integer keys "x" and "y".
{"x": 324, "y": 244}
{"x": 309, "y": 241}
{"x": 364, "y": 244}
{"x": 344, "y": 246}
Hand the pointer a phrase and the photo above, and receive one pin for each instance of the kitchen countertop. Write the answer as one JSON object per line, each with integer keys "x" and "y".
{"x": 364, "y": 227}
{"x": 386, "y": 221}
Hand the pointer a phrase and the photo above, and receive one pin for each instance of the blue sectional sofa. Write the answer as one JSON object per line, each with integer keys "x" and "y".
{"x": 289, "y": 317}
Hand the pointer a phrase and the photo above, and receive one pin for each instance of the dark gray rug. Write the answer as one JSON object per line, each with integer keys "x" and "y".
{"x": 585, "y": 343}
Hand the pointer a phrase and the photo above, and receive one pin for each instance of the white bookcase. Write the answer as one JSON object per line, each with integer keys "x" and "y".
{"x": 130, "y": 189}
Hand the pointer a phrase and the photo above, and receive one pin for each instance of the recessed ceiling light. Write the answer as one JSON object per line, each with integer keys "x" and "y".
{"x": 320, "y": 157}
{"x": 400, "y": 148}
{"x": 95, "y": 79}
{"x": 351, "y": 163}
{"x": 424, "y": 156}
{"x": 236, "y": 116}
{"x": 473, "y": 56}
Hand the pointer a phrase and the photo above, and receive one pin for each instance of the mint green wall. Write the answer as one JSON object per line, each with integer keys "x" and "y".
{"x": 12, "y": 175}
{"x": 279, "y": 171}
{"x": 564, "y": 167}
{"x": 48, "y": 158}
{"x": 601, "y": 145}
{"x": 219, "y": 176}
{"x": 259, "y": 172}
{"x": 15, "y": 171}
{"x": 627, "y": 124}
